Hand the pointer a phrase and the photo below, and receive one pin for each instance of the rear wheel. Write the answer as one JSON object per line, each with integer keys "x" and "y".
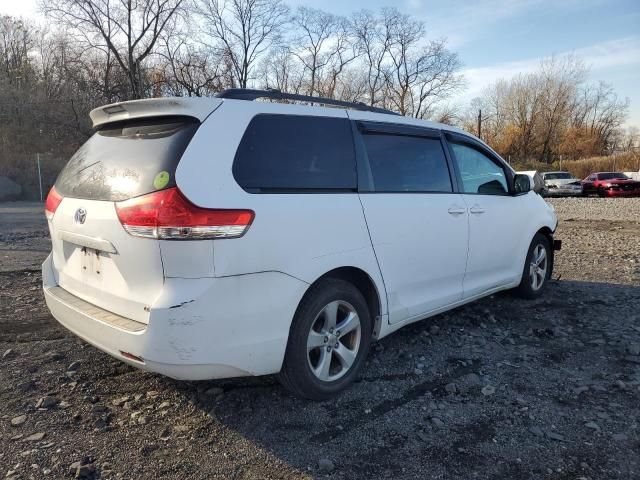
{"x": 328, "y": 341}
{"x": 537, "y": 268}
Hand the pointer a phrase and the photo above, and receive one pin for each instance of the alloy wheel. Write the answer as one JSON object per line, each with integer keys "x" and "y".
{"x": 334, "y": 341}
{"x": 538, "y": 267}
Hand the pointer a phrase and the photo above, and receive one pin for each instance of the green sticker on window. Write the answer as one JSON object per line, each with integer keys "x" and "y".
{"x": 161, "y": 180}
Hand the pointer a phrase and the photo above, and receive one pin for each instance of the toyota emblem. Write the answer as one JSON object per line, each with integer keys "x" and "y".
{"x": 80, "y": 216}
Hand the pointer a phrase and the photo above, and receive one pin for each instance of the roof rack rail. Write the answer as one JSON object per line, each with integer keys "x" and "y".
{"x": 275, "y": 94}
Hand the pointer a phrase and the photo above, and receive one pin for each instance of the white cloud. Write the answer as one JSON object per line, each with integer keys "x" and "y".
{"x": 601, "y": 56}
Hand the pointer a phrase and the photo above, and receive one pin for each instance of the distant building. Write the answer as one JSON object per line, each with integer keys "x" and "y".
{"x": 9, "y": 189}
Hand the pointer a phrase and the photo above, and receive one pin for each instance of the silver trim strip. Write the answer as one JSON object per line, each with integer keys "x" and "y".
{"x": 86, "y": 241}
{"x": 94, "y": 312}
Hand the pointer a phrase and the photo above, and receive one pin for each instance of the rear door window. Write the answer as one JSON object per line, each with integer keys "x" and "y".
{"x": 127, "y": 159}
{"x": 295, "y": 153}
{"x": 403, "y": 163}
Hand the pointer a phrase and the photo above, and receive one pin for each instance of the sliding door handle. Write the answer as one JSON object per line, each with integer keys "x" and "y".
{"x": 476, "y": 210}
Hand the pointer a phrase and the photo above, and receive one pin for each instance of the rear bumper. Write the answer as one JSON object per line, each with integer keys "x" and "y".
{"x": 198, "y": 328}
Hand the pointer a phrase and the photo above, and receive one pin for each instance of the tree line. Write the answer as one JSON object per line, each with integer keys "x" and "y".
{"x": 94, "y": 52}
{"x": 551, "y": 113}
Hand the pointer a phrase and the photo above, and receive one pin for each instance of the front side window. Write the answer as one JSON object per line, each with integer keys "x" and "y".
{"x": 479, "y": 173}
{"x": 407, "y": 164}
{"x": 282, "y": 153}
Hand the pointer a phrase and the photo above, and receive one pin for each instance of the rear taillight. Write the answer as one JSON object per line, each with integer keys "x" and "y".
{"x": 168, "y": 215}
{"x": 52, "y": 203}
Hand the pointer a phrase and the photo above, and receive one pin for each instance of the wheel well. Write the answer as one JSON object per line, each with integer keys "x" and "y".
{"x": 362, "y": 281}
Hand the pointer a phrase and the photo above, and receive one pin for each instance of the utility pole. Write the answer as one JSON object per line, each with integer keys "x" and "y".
{"x": 480, "y": 124}
{"x": 39, "y": 175}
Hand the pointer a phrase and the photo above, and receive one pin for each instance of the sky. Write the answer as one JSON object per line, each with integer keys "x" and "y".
{"x": 501, "y": 38}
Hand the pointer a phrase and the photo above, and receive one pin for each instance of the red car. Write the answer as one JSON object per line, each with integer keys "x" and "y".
{"x": 610, "y": 184}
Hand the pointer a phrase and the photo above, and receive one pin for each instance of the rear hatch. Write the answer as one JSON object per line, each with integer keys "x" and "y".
{"x": 94, "y": 257}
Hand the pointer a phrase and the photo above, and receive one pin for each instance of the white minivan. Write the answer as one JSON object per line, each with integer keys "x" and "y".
{"x": 220, "y": 237}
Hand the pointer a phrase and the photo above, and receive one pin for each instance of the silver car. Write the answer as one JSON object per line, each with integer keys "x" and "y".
{"x": 561, "y": 184}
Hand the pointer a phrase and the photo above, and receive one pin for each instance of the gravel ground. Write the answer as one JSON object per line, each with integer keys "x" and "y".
{"x": 502, "y": 388}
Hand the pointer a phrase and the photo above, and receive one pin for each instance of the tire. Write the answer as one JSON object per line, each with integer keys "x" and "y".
{"x": 530, "y": 288}
{"x": 601, "y": 193}
{"x": 302, "y": 370}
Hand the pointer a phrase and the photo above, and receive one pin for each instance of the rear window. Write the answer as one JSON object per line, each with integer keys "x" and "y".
{"x": 127, "y": 159}
{"x": 557, "y": 176}
{"x": 293, "y": 153}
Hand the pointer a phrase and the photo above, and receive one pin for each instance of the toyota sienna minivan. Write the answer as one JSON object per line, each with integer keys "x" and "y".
{"x": 207, "y": 238}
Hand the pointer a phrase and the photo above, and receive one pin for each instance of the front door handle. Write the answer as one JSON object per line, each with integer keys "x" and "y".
{"x": 476, "y": 210}
{"x": 457, "y": 210}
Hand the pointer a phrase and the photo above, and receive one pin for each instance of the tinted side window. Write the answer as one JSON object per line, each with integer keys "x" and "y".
{"x": 294, "y": 152}
{"x": 407, "y": 164}
{"x": 479, "y": 173}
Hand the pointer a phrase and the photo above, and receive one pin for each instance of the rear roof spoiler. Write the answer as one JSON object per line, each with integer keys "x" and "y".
{"x": 199, "y": 108}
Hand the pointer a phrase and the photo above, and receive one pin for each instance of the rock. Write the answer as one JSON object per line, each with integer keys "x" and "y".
{"x": 82, "y": 469}
{"x": 434, "y": 329}
{"x": 143, "y": 420}
{"x": 9, "y": 353}
{"x": 56, "y": 356}
{"x": 417, "y": 371}
{"x": 471, "y": 379}
{"x": 620, "y": 384}
{"x": 537, "y": 431}
{"x": 619, "y": 437}
{"x": 488, "y": 390}
{"x": 47, "y": 402}
{"x": 164, "y": 405}
{"x": 19, "y": 420}
{"x": 592, "y": 425}
{"x": 214, "y": 391}
{"x": 437, "y": 422}
{"x": 579, "y": 390}
{"x": 34, "y": 437}
{"x": 451, "y": 388}
{"x": 633, "y": 349}
{"x": 121, "y": 401}
{"x": 325, "y": 465}
{"x": 73, "y": 367}
{"x": 555, "y": 436}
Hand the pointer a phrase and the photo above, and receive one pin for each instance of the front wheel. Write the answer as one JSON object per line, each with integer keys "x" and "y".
{"x": 328, "y": 340}
{"x": 537, "y": 268}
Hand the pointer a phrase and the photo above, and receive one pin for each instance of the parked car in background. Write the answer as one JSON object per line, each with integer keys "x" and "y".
{"x": 221, "y": 237}
{"x": 561, "y": 184}
{"x": 537, "y": 183}
{"x": 610, "y": 184}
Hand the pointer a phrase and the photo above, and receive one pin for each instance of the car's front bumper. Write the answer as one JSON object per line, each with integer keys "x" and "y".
{"x": 198, "y": 328}
{"x": 612, "y": 192}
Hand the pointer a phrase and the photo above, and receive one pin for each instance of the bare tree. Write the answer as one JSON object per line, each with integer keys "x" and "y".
{"x": 128, "y": 30}
{"x": 242, "y": 30}
{"x": 374, "y": 38}
{"x": 188, "y": 69}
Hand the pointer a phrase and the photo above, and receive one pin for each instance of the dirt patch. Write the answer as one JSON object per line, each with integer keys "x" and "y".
{"x": 502, "y": 388}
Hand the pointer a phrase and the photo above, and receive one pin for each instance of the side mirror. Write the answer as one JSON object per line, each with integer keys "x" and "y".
{"x": 522, "y": 183}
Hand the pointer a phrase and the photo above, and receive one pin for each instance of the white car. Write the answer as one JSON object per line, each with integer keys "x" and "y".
{"x": 561, "y": 184}
{"x": 221, "y": 237}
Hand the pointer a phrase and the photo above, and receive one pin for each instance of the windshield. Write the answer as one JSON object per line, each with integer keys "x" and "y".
{"x": 612, "y": 176}
{"x": 558, "y": 176}
{"x": 127, "y": 159}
